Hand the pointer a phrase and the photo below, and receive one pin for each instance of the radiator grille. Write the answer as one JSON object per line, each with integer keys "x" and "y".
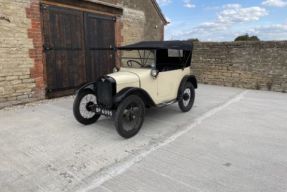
{"x": 105, "y": 92}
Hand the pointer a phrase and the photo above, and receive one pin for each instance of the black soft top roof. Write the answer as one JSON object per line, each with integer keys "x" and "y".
{"x": 154, "y": 45}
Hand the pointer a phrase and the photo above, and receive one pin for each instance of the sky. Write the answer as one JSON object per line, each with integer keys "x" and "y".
{"x": 224, "y": 20}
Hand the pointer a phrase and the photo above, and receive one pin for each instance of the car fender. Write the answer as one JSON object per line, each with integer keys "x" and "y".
{"x": 88, "y": 86}
{"x": 188, "y": 78}
{"x": 134, "y": 91}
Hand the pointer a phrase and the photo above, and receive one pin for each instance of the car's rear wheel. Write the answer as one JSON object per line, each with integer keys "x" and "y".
{"x": 187, "y": 97}
{"x": 83, "y": 108}
{"x": 129, "y": 116}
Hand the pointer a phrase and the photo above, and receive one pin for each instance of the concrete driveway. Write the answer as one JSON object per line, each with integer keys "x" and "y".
{"x": 233, "y": 140}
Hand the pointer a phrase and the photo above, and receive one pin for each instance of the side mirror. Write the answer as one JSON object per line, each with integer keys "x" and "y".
{"x": 154, "y": 73}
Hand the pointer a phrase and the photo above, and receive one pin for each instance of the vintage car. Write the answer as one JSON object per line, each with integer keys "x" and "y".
{"x": 152, "y": 74}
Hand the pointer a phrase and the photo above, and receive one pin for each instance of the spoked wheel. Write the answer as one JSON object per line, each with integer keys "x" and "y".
{"x": 83, "y": 108}
{"x": 130, "y": 116}
{"x": 187, "y": 98}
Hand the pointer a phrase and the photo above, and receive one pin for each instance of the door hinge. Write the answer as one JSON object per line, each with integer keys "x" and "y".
{"x": 43, "y": 6}
{"x": 45, "y": 48}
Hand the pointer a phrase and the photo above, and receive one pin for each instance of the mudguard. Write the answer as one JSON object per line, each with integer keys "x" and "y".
{"x": 133, "y": 91}
{"x": 89, "y": 86}
{"x": 188, "y": 78}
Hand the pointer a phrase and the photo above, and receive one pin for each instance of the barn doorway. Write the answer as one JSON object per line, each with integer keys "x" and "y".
{"x": 78, "y": 48}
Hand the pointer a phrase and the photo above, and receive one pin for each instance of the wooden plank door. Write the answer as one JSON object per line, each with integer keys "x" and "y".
{"x": 100, "y": 41}
{"x": 64, "y": 48}
{"x": 78, "y": 47}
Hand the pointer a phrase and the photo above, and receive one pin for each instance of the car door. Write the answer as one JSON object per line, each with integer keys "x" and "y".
{"x": 167, "y": 85}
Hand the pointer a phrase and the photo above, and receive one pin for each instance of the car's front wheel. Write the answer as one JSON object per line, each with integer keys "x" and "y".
{"x": 83, "y": 108}
{"x": 187, "y": 97}
{"x": 129, "y": 117}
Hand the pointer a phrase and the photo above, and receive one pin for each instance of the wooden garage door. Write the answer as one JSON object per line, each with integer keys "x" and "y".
{"x": 77, "y": 47}
{"x": 100, "y": 39}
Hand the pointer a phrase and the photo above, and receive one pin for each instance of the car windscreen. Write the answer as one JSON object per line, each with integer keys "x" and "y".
{"x": 138, "y": 58}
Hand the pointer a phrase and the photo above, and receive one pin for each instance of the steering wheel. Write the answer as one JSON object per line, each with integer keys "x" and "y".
{"x": 130, "y": 63}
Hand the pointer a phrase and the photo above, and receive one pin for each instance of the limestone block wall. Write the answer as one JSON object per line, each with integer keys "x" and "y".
{"x": 140, "y": 22}
{"x": 251, "y": 65}
{"x": 18, "y": 79}
{"x": 132, "y": 30}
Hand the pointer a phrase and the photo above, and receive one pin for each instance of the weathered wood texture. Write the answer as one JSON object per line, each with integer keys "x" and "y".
{"x": 72, "y": 39}
{"x": 100, "y": 37}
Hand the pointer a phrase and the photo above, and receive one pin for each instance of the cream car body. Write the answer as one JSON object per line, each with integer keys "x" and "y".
{"x": 163, "y": 88}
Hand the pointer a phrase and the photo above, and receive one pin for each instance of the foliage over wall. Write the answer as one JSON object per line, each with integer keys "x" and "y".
{"x": 247, "y": 38}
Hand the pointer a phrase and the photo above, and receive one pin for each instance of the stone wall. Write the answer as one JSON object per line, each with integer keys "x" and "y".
{"x": 251, "y": 65}
{"x": 22, "y": 72}
{"x": 18, "y": 82}
{"x": 140, "y": 22}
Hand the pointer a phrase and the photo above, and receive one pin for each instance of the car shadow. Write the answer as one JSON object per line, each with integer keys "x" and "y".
{"x": 157, "y": 121}
{"x": 168, "y": 111}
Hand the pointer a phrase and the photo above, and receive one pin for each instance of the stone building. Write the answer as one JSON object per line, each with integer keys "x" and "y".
{"x": 50, "y": 47}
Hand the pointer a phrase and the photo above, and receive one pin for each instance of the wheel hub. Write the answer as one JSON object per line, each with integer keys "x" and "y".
{"x": 90, "y": 106}
{"x": 186, "y": 96}
{"x": 130, "y": 116}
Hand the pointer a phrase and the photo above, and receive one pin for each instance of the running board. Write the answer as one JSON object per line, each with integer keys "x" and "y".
{"x": 166, "y": 104}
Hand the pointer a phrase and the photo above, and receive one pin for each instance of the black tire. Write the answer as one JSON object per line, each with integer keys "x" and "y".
{"x": 129, "y": 116}
{"x": 91, "y": 117}
{"x": 187, "y": 96}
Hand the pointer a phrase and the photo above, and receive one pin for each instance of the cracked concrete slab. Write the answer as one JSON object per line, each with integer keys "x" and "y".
{"x": 42, "y": 147}
{"x": 241, "y": 147}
